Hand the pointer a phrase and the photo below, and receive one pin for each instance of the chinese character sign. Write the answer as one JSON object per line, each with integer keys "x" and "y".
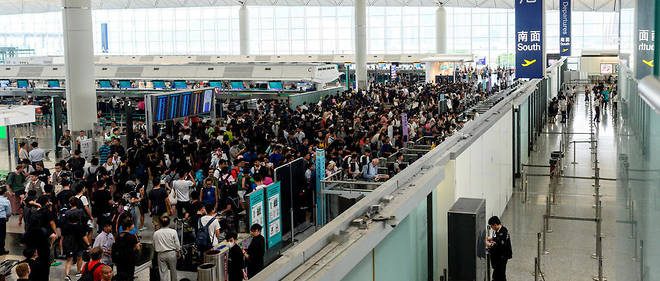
{"x": 565, "y": 27}
{"x": 529, "y": 39}
{"x": 644, "y": 38}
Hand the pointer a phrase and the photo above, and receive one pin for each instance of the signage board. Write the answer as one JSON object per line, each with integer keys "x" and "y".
{"x": 529, "y": 39}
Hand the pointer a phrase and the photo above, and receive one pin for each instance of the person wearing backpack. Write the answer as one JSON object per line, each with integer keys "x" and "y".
{"x": 91, "y": 271}
{"x": 74, "y": 236}
{"x": 125, "y": 251}
{"x": 208, "y": 230}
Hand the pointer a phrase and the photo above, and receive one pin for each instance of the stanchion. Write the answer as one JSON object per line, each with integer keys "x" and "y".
{"x": 536, "y": 269}
{"x": 641, "y": 260}
{"x": 574, "y": 152}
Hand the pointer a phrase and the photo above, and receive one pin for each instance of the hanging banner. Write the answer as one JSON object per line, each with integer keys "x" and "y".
{"x": 393, "y": 70}
{"x": 645, "y": 34}
{"x": 529, "y": 39}
{"x": 274, "y": 210}
{"x": 405, "y": 128}
{"x": 319, "y": 165}
{"x": 565, "y": 28}
{"x": 3, "y": 132}
{"x": 257, "y": 210}
{"x": 104, "y": 38}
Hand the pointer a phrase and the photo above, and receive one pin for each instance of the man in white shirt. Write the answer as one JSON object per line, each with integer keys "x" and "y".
{"x": 182, "y": 188}
{"x": 81, "y": 137}
{"x": 105, "y": 240}
{"x": 214, "y": 227}
{"x": 36, "y": 154}
{"x": 166, "y": 245}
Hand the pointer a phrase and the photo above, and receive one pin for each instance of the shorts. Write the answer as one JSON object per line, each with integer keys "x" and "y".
{"x": 73, "y": 247}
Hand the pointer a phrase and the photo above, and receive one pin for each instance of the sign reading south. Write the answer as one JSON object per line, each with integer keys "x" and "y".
{"x": 529, "y": 39}
{"x": 565, "y": 28}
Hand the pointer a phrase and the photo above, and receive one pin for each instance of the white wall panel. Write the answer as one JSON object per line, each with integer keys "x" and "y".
{"x": 484, "y": 170}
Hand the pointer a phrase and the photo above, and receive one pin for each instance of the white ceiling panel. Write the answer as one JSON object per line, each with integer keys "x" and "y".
{"x": 38, "y": 6}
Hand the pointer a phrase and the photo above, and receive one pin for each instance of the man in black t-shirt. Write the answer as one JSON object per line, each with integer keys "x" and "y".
{"x": 125, "y": 251}
{"x": 102, "y": 206}
{"x": 158, "y": 202}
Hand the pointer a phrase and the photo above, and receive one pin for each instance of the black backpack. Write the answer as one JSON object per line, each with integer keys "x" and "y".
{"x": 203, "y": 239}
{"x": 89, "y": 273}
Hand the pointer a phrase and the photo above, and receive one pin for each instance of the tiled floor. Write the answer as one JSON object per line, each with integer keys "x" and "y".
{"x": 571, "y": 243}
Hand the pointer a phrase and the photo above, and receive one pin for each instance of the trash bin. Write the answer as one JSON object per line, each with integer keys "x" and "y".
{"x": 554, "y": 162}
{"x": 557, "y": 154}
{"x": 205, "y": 272}
{"x": 217, "y": 258}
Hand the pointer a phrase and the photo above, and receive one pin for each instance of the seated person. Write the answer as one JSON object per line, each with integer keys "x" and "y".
{"x": 370, "y": 171}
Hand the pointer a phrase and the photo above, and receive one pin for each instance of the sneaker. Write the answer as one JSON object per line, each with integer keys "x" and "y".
{"x": 78, "y": 275}
{"x": 67, "y": 278}
{"x": 143, "y": 228}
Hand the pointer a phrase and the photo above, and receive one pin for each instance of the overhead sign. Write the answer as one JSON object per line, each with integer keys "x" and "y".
{"x": 565, "y": 28}
{"x": 529, "y": 39}
{"x": 645, "y": 32}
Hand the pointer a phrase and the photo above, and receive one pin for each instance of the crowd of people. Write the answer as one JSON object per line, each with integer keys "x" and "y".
{"x": 196, "y": 173}
{"x": 602, "y": 93}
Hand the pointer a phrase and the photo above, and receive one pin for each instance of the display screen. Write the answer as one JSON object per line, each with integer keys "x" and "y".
{"x": 275, "y": 85}
{"x": 53, "y": 83}
{"x": 159, "y": 84}
{"x": 124, "y": 84}
{"x": 105, "y": 84}
{"x": 4, "y": 83}
{"x": 22, "y": 83}
{"x": 237, "y": 85}
{"x": 215, "y": 84}
{"x": 160, "y": 108}
{"x": 173, "y": 104}
{"x": 185, "y": 104}
{"x": 180, "y": 85}
{"x": 606, "y": 68}
{"x": 208, "y": 101}
{"x": 181, "y": 104}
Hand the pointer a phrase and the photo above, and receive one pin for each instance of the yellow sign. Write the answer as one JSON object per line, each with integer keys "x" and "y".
{"x": 528, "y": 62}
{"x": 649, "y": 63}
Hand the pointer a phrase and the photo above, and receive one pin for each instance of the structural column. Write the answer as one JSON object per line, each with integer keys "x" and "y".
{"x": 79, "y": 64}
{"x": 244, "y": 30}
{"x": 440, "y": 30}
{"x": 361, "y": 43}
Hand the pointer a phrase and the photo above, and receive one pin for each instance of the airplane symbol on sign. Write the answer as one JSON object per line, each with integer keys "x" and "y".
{"x": 528, "y": 62}
{"x": 564, "y": 50}
{"x": 649, "y": 63}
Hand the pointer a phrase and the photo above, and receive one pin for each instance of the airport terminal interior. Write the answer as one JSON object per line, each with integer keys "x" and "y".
{"x": 353, "y": 140}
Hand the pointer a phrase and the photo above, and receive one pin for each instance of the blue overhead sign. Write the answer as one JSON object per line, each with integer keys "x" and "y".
{"x": 565, "y": 28}
{"x": 645, "y": 38}
{"x": 529, "y": 39}
{"x": 104, "y": 38}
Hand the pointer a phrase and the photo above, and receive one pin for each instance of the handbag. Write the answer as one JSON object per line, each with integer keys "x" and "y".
{"x": 172, "y": 196}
